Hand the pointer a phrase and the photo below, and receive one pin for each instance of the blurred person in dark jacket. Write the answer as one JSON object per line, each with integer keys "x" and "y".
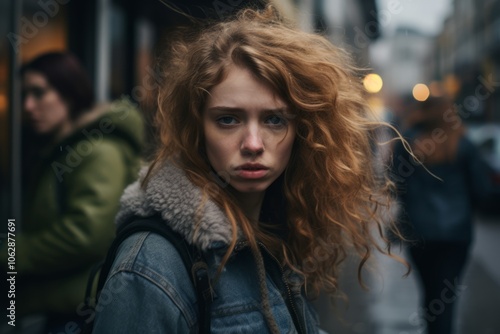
{"x": 87, "y": 155}
{"x": 438, "y": 198}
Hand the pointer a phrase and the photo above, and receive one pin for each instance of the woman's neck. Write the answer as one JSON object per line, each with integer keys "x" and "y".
{"x": 250, "y": 203}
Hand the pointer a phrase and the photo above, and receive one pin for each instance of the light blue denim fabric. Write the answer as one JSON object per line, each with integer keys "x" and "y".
{"x": 149, "y": 291}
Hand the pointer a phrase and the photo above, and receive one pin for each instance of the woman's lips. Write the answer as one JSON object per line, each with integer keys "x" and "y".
{"x": 251, "y": 171}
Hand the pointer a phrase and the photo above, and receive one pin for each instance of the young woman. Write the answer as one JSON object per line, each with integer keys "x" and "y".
{"x": 72, "y": 185}
{"x": 265, "y": 164}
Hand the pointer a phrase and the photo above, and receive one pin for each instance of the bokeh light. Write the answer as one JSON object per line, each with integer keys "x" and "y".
{"x": 451, "y": 85}
{"x": 436, "y": 88}
{"x": 373, "y": 83}
{"x": 3, "y": 102}
{"x": 420, "y": 92}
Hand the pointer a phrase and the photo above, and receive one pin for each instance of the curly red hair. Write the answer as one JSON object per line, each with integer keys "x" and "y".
{"x": 332, "y": 190}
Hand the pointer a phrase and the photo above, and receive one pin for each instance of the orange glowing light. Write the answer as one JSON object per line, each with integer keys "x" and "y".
{"x": 421, "y": 92}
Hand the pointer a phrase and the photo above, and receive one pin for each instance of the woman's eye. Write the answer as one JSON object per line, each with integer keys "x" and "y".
{"x": 37, "y": 92}
{"x": 276, "y": 120}
{"x": 227, "y": 120}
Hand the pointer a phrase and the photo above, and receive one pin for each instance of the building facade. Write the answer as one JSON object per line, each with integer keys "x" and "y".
{"x": 468, "y": 50}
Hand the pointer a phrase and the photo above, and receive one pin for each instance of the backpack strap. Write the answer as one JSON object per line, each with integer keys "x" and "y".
{"x": 204, "y": 294}
{"x": 190, "y": 255}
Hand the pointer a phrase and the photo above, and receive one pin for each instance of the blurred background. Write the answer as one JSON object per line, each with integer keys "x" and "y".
{"x": 412, "y": 49}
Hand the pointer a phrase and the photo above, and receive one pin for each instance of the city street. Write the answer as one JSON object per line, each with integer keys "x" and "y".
{"x": 391, "y": 304}
{"x": 301, "y": 111}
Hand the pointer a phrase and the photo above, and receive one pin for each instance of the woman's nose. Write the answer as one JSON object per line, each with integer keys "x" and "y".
{"x": 252, "y": 142}
{"x": 29, "y": 104}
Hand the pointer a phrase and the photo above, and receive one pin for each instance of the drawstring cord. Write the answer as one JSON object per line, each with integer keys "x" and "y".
{"x": 268, "y": 315}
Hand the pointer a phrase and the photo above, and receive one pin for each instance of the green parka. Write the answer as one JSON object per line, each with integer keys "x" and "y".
{"x": 69, "y": 211}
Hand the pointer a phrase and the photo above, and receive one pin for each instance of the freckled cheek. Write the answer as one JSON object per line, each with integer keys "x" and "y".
{"x": 287, "y": 148}
{"x": 285, "y": 155}
{"x": 219, "y": 153}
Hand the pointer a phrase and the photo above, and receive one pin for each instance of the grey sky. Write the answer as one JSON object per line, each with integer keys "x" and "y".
{"x": 425, "y": 15}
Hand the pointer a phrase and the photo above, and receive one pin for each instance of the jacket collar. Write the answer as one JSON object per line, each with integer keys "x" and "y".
{"x": 180, "y": 203}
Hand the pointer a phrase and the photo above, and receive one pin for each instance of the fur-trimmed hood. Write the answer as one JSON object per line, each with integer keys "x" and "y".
{"x": 170, "y": 193}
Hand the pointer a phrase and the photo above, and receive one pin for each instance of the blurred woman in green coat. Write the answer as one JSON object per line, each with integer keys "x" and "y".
{"x": 73, "y": 186}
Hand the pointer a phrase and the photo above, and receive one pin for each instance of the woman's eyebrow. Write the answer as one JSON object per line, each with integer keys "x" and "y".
{"x": 281, "y": 110}
{"x": 226, "y": 109}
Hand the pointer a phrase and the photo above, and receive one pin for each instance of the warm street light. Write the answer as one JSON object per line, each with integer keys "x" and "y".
{"x": 373, "y": 83}
{"x": 420, "y": 92}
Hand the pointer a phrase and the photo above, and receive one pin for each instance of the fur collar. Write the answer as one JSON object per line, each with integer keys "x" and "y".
{"x": 170, "y": 193}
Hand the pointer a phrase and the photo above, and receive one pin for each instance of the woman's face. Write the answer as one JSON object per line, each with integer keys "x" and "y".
{"x": 47, "y": 111}
{"x": 248, "y": 132}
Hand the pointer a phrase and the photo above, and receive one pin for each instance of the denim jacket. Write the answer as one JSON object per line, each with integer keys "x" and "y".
{"x": 149, "y": 291}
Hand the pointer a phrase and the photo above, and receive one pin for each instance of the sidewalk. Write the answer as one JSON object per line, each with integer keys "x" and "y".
{"x": 391, "y": 305}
